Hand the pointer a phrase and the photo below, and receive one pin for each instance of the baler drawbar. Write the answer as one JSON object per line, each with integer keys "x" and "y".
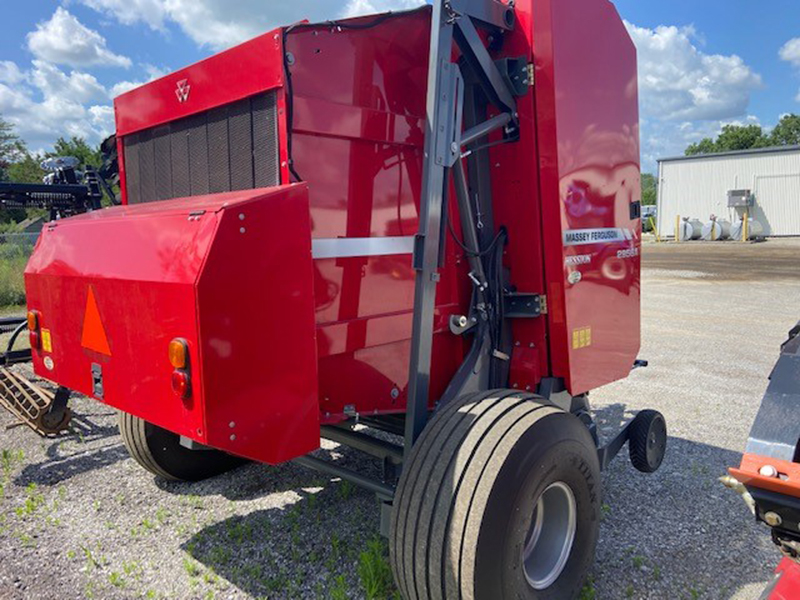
{"x": 424, "y": 224}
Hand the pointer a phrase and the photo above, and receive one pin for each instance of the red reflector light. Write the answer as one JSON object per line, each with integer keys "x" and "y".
{"x": 35, "y": 339}
{"x": 33, "y": 320}
{"x": 180, "y": 383}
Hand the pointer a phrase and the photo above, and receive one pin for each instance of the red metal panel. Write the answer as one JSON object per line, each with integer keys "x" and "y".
{"x": 214, "y": 270}
{"x": 359, "y": 107}
{"x": 256, "y": 302}
{"x": 588, "y": 135}
{"x": 142, "y": 270}
{"x": 786, "y": 585}
{"x": 245, "y": 70}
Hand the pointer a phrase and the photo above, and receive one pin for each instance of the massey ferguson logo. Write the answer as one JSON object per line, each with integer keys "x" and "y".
{"x": 183, "y": 90}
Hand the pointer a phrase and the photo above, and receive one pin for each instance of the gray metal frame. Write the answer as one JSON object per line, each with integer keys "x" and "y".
{"x": 452, "y": 21}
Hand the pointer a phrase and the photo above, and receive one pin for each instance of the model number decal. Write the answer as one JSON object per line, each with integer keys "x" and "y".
{"x": 578, "y": 237}
{"x": 629, "y": 253}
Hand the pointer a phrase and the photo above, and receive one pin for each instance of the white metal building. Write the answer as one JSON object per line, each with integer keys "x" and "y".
{"x": 698, "y": 187}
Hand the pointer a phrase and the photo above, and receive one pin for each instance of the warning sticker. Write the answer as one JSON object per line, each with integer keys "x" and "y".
{"x": 94, "y": 336}
{"x": 581, "y": 338}
{"x": 47, "y": 341}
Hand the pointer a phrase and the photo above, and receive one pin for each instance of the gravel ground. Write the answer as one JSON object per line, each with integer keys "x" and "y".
{"x": 79, "y": 519}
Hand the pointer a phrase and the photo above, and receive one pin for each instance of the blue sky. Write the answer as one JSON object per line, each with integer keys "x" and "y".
{"x": 702, "y": 63}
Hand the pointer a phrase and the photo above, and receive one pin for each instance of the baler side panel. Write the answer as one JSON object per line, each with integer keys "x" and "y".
{"x": 588, "y": 134}
{"x": 358, "y": 130}
{"x": 256, "y": 321}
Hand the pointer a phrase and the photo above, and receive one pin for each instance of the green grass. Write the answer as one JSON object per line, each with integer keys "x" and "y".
{"x": 13, "y": 259}
{"x": 374, "y": 570}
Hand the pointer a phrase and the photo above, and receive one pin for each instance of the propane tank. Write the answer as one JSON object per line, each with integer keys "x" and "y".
{"x": 754, "y": 229}
{"x": 716, "y": 230}
{"x": 691, "y": 229}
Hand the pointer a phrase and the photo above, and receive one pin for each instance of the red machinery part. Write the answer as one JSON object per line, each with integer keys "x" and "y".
{"x": 564, "y": 191}
{"x": 786, "y": 585}
{"x": 219, "y": 272}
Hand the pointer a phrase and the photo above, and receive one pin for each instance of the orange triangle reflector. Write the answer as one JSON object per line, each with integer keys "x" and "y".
{"x": 94, "y": 334}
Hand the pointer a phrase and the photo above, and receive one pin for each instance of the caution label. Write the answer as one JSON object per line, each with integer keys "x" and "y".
{"x": 47, "y": 340}
{"x": 581, "y": 338}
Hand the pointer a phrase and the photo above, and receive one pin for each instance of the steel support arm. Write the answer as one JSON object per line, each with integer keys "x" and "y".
{"x": 426, "y": 251}
{"x": 451, "y": 22}
{"x": 476, "y": 54}
{"x": 485, "y": 128}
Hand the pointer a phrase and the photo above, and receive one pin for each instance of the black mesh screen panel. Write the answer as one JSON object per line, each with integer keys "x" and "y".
{"x": 233, "y": 147}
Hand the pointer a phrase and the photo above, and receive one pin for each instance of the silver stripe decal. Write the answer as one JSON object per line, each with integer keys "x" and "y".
{"x": 355, "y": 247}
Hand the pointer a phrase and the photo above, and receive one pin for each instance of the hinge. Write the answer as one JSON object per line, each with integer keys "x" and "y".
{"x": 531, "y": 75}
{"x": 524, "y": 306}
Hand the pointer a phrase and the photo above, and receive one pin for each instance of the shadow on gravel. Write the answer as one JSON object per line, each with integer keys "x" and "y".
{"x": 297, "y": 550}
{"x": 60, "y": 466}
{"x": 678, "y": 532}
{"x": 255, "y": 480}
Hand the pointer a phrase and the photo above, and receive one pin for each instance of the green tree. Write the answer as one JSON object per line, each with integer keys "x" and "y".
{"x": 11, "y": 147}
{"x": 786, "y": 132}
{"x": 732, "y": 138}
{"x": 704, "y": 146}
{"x": 76, "y": 146}
{"x": 26, "y": 170}
{"x": 649, "y": 189}
{"x": 741, "y": 137}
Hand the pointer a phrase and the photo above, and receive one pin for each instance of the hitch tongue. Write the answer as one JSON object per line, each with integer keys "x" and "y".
{"x": 737, "y": 486}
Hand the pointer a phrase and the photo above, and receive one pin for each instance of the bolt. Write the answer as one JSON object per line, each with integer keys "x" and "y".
{"x": 516, "y": 343}
{"x": 233, "y": 437}
{"x": 454, "y": 147}
{"x": 242, "y": 230}
{"x": 395, "y": 393}
{"x": 231, "y": 424}
{"x": 768, "y": 471}
{"x": 772, "y": 519}
{"x": 463, "y": 321}
{"x": 531, "y": 345}
{"x": 241, "y": 216}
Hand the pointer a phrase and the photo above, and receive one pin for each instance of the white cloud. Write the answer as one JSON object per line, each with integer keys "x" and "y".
{"x": 366, "y": 7}
{"x": 128, "y": 12}
{"x": 219, "y": 24}
{"x": 677, "y": 81}
{"x": 45, "y": 103}
{"x": 152, "y": 72}
{"x": 10, "y": 72}
{"x": 790, "y": 52}
{"x": 686, "y": 94}
{"x": 77, "y": 87}
{"x": 64, "y": 40}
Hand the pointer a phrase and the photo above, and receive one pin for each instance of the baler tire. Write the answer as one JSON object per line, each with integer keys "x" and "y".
{"x": 160, "y": 452}
{"x": 465, "y": 505}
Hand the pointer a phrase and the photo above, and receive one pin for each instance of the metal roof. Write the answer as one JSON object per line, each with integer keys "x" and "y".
{"x": 755, "y": 151}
